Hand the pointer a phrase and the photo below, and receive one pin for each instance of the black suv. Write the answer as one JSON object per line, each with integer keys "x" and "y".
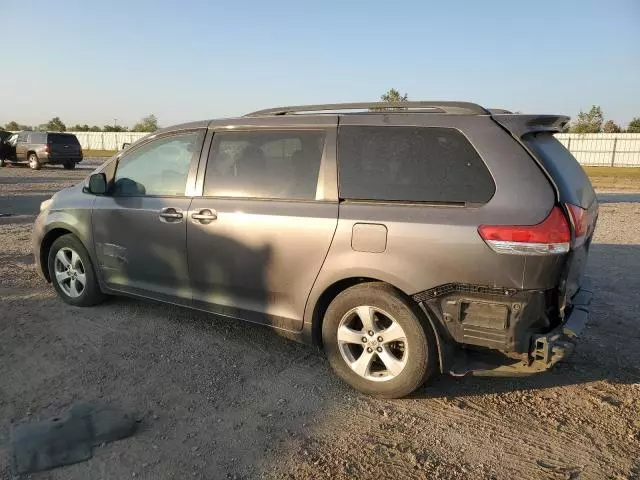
{"x": 38, "y": 148}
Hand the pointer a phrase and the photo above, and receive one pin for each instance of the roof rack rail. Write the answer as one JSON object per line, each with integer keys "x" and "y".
{"x": 453, "y": 108}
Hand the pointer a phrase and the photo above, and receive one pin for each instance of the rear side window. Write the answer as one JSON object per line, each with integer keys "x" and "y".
{"x": 411, "y": 164}
{"x": 564, "y": 169}
{"x": 62, "y": 139}
{"x": 264, "y": 164}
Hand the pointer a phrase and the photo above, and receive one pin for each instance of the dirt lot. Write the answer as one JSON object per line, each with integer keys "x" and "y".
{"x": 220, "y": 399}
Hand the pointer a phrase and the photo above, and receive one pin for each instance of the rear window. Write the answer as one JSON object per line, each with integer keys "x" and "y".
{"x": 564, "y": 169}
{"x": 411, "y": 164}
{"x": 62, "y": 139}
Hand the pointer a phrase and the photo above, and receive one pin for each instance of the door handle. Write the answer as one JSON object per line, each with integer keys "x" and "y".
{"x": 170, "y": 214}
{"x": 204, "y": 216}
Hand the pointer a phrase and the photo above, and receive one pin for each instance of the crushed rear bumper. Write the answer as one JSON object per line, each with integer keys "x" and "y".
{"x": 550, "y": 348}
{"x": 546, "y": 349}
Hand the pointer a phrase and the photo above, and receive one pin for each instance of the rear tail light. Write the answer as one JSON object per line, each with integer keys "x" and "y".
{"x": 47, "y": 148}
{"x": 551, "y": 236}
{"x": 584, "y": 223}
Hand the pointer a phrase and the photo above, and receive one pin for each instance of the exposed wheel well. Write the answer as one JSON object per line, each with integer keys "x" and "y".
{"x": 31, "y": 152}
{"x": 326, "y": 298}
{"x": 332, "y": 292}
{"x": 45, "y": 246}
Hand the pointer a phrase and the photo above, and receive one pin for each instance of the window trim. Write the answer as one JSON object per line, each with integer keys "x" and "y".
{"x": 430, "y": 203}
{"x": 111, "y": 175}
{"x": 325, "y": 191}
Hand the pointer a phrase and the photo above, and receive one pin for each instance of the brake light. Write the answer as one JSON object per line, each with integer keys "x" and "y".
{"x": 551, "y": 236}
{"x": 46, "y": 148}
{"x": 583, "y": 223}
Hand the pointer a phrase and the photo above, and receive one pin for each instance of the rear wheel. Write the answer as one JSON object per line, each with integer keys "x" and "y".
{"x": 376, "y": 341}
{"x": 69, "y": 165}
{"x": 34, "y": 163}
{"x": 72, "y": 273}
{"x": 3, "y": 162}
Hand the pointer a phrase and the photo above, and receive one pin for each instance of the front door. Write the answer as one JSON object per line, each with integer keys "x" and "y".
{"x": 140, "y": 227}
{"x": 258, "y": 235}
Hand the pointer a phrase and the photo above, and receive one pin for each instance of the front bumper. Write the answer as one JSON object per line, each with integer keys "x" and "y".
{"x": 546, "y": 349}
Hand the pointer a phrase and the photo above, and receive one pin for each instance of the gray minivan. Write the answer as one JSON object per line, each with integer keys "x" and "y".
{"x": 400, "y": 237}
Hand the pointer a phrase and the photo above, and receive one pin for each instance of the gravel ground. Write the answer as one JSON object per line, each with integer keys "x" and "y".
{"x": 216, "y": 398}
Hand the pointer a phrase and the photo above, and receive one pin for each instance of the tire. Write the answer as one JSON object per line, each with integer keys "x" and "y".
{"x": 413, "y": 355}
{"x": 34, "y": 163}
{"x": 3, "y": 162}
{"x": 68, "y": 283}
{"x": 70, "y": 165}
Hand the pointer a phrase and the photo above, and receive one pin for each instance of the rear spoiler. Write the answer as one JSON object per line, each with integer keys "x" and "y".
{"x": 519, "y": 125}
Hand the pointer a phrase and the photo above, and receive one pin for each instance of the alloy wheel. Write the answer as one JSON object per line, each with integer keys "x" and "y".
{"x": 70, "y": 272}
{"x": 372, "y": 343}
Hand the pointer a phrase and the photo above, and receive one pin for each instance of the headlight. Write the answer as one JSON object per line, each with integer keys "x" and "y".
{"x": 44, "y": 205}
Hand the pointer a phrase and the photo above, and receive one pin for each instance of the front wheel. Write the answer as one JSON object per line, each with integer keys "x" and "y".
{"x": 69, "y": 165}
{"x": 34, "y": 163}
{"x": 377, "y": 342}
{"x": 72, "y": 273}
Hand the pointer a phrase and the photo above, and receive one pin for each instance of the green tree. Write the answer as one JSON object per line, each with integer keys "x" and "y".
{"x": 146, "y": 124}
{"x": 392, "y": 96}
{"x": 634, "y": 126}
{"x": 12, "y": 126}
{"x": 55, "y": 125}
{"x": 114, "y": 128}
{"x": 588, "y": 122}
{"x": 95, "y": 128}
{"x": 610, "y": 127}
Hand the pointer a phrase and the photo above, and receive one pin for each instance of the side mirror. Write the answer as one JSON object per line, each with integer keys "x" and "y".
{"x": 98, "y": 184}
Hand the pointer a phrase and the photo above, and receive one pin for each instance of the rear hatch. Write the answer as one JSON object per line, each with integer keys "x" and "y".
{"x": 577, "y": 197}
{"x": 575, "y": 194}
{"x": 63, "y": 145}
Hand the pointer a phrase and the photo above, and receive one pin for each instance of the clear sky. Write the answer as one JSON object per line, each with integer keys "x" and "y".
{"x": 92, "y": 61}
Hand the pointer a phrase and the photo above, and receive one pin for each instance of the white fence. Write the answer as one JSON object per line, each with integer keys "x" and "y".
{"x": 107, "y": 140}
{"x": 603, "y": 149}
{"x": 598, "y": 149}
